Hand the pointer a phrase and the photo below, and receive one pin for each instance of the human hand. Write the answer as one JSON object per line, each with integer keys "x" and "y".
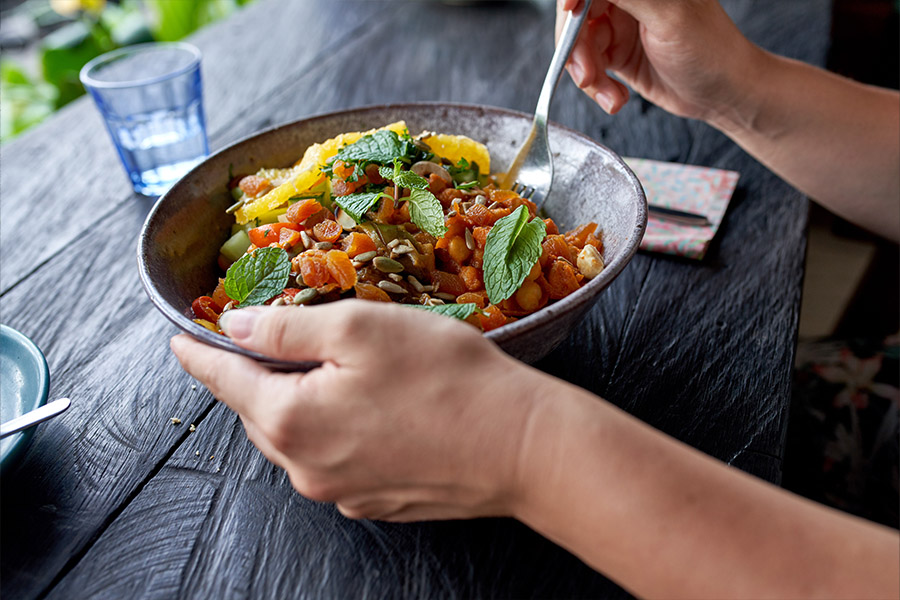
{"x": 411, "y": 416}
{"x": 685, "y": 56}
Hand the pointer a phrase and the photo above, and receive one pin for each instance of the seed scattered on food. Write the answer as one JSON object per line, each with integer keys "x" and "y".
{"x": 393, "y": 243}
{"x": 480, "y": 200}
{"x": 306, "y": 240}
{"x": 445, "y": 296}
{"x": 387, "y": 265}
{"x": 470, "y": 239}
{"x": 278, "y": 302}
{"x": 391, "y": 287}
{"x": 365, "y": 256}
{"x": 395, "y": 276}
{"x": 304, "y": 296}
{"x": 416, "y": 284}
{"x": 324, "y": 245}
{"x": 175, "y": 421}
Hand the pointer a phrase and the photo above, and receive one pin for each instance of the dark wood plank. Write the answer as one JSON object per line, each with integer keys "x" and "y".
{"x": 67, "y": 170}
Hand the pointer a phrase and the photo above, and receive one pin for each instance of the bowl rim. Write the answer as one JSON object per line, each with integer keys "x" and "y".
{"x": 37, "y": 359}
{"x": 610, "y": 271}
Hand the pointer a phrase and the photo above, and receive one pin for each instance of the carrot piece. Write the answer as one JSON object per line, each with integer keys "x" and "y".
{"x": 340, "y": 268}
{"x": 493, "y": 319}
{"x": 367, "y": 291}
{"x": 327, "y": 231}
{"x": 561, "y": 280}
{"x": 356, "y": 243}
{"x": 299, "y": 211}
{"x": 471, "y": 278}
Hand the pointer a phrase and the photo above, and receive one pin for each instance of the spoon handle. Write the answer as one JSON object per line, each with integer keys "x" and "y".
{"x": 33, "y": 417}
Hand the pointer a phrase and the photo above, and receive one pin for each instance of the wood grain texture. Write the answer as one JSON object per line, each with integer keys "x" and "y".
{"x": 112, "y": 500}
{"x": 68, "y": 171}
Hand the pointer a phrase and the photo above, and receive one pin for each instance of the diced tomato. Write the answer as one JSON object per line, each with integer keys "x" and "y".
{"x": 253, "y": 185}
{"x": 302, "y": 209}
{"x": 264, "y": 235}
{"x": 205, "y": 307}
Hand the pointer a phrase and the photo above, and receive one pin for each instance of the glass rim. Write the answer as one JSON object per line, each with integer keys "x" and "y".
{"x": 88, "y": 81}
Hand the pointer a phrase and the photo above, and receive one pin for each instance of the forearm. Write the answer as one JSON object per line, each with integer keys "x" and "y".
{"x": 665, "y": 520}
{"x": 836, "y": 140}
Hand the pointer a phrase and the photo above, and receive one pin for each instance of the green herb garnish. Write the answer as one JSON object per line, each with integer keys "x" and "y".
{"x": 513, "y": 246}
{"x": 356, "y": 205}
{"x": 466, "y": 185}
{"x": 425, "y": 210}
{"x": 460, "y": 311}
{"x": 381, "y": 147}
{"x": 256, "y": 277}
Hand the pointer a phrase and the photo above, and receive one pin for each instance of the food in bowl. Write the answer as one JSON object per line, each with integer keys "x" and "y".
{"x": 384, "y": 216}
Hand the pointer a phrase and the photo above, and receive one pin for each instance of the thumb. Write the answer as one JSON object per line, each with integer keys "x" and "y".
{"x": 338, "y": 331}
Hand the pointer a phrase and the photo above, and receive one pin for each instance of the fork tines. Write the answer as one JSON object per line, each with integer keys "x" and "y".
{"x": 523, "y": 190}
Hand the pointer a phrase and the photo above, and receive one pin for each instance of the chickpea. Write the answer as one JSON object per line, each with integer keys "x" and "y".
{"x": 458, "y": 249}
{"x": 535, "y": 271}
{"x": 529, "y": 295}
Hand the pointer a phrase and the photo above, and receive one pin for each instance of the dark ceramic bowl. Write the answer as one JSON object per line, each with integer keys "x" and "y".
{"x": 180, "y": 241}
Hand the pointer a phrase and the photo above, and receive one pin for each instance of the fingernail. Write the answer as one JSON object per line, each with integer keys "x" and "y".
{"x": 238, "y": 324}
{"x": 577, "y": 74}
{"x": 605, "y": 101}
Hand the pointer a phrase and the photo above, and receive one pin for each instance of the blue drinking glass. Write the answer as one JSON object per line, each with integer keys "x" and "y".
{"x": 150, "y": 96}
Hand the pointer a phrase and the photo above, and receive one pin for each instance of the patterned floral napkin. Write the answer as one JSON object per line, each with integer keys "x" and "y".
{"x": 701, "y": 190}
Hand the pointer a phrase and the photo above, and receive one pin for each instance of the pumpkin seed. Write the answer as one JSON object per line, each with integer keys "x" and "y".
{"x": 299, "y": 280}
{"x": 391, "y": 287}
{"x": 387, "y": 265}
{"x": 365, "y": 256}
{"x": 305, "y": 296}
{"x": 444, "y": 296}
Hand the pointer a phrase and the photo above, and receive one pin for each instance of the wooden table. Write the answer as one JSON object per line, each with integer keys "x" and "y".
{"x": 112, "y": 500}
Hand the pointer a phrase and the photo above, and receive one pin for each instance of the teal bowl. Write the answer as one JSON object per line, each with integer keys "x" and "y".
{"x": 24, "y": 384}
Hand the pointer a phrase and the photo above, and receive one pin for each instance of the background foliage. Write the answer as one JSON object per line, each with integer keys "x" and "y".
{"x": 80, "y": 31}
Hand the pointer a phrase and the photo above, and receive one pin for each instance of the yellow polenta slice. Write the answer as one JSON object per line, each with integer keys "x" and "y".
{"x": 455, "y": 147}
{"x": 308, "y": 173}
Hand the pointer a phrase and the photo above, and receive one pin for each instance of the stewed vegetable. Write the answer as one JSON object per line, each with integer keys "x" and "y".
{"x": 386, "y": 217}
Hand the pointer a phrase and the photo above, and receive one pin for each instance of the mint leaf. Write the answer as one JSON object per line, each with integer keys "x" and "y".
{"x": 256, "y": 277}
{"x": 408, "y": 179}
{"x": 380, "y": 147}
{"x": 425, "y": 210}
{"x": 356, "y": 205}
{"x": 459, "y": 311}
{"x": 386, "y": 172}
{"x": 513, "y": 246}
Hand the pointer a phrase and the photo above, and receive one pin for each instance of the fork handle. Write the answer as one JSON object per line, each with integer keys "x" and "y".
{"x": 574, "y": 21}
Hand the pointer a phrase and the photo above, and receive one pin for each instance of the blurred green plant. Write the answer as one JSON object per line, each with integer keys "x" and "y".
{"x": 96, "y": 26}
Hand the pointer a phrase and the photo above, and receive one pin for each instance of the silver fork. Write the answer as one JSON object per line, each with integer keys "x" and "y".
{"x": 531, "y": 173}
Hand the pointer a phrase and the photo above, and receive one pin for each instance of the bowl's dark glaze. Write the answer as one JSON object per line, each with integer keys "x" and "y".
{"x": 180, "y": 241}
